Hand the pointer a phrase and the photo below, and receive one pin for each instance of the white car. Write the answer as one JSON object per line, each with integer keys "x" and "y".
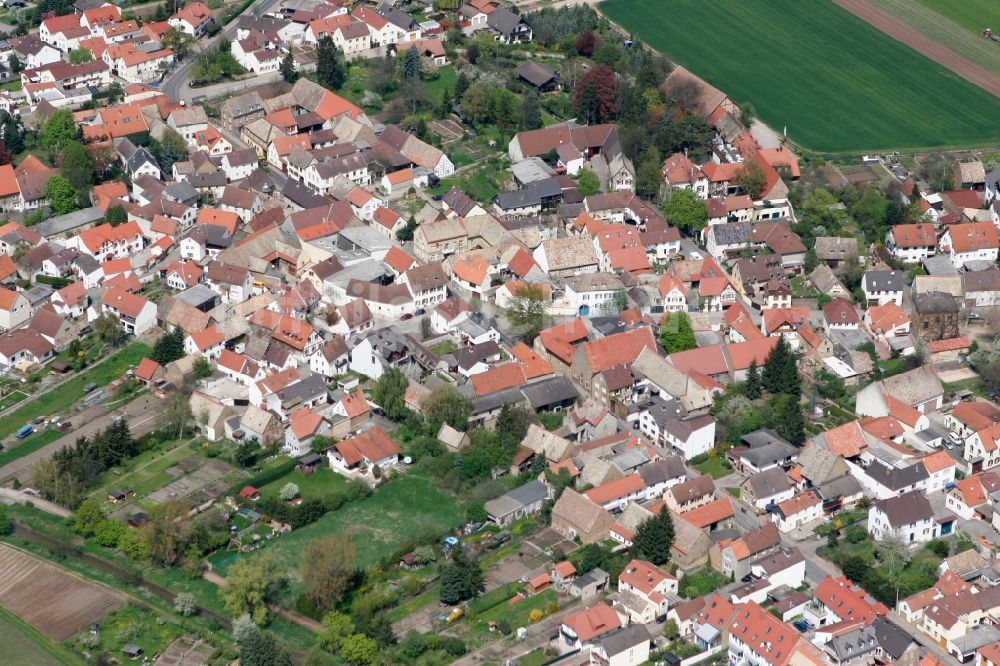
{"x": 695, "y": 256}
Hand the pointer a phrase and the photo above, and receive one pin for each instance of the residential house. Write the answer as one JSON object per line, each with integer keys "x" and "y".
{"x": 882, "y": 287}
{"x": 909, "y": 515}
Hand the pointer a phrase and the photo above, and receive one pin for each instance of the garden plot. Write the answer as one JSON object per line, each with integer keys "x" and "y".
{"x": 50, "y": 599}
{"x": 448, "y": 130}
{"x": 191, "y": 483}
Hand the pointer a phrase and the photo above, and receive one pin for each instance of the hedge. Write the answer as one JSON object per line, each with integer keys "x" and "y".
{"x": 54, "y": 281}
{"x": 266, "y": 477}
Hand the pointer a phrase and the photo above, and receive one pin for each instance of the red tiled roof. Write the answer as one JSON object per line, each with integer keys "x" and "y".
{"x": 208, "y": 337}
{"x": 950, "y": 344}
{"x": 613, "y": 490}
{"x": 618, "y": 349}
{"x": 592, "y": 622}
{"x": 146, "y": 369}
{"x": 498, "y": 378}
{"x": 559, "y": 339}
{"x": 372, "y": 445}
{"x": 847, "y": 601}
{"x": 711, "y": 513}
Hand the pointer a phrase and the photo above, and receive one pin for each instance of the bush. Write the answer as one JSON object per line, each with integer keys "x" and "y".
{"x": 856, "y": 534}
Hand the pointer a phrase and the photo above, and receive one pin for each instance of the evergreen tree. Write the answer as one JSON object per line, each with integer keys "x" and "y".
{"x": 654, "y": 538}
{"x": 411, "y": 64}
{"x": 461, "y": 580}
{"x": 15, "y": 64}
{"x": 789, "y": 421}
{"x": 531, "y": 111}
{"x": 781, "y": 374}
{"x": 288, "y": 71}
{"x": 13, "y": 137}
{"x": 462, "y": 84}
{"x": 116, "y": 215}
{"x": 444, "y": 110}
{"x": 77, "y": 166}
{"x": 751, "y": 387}
{"x": 169, "y": 347}
{"x": 330, "y": 67}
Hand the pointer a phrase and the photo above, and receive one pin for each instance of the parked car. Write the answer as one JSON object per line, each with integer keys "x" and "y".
{"x": 89, "y": 387}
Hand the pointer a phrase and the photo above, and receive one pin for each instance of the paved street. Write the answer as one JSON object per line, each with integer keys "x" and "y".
{"x": 142, "y": 414}
{"x": 176, "y": 83}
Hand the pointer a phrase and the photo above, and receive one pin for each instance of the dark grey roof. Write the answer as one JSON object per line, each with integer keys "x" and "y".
{"x": 734, "y": 233}
{"x": 528, "y": 196}
{"x": 211, "y": 179}
{"x": 769, "y": 482}
{"x": 842, "y": 486}
{"x": 988, "y": 280}
{"x": 893, "y": 639}
{"x": 932, "y": 302}
{"x": 182, "y": 191}
{"x": 139, "y": 157}
{"x": 885, "y": 280}
{"x": 530, "y": 493}
{"x": 302, "y": 196}
{"x": 897, "y": 478}
{"x": 905, "y": 509}
{"x": 622, "y": 640}
{"x": 535, "y": 73}
{"x": 493, "y": 401}
{"x": 466, "y": 357}
{"x": 396, "y": 17}
{"x": 459, "y": 201}
{"x": 549, "y": 392}
{"x": 766, "y": 448}
{"x": 305, "y": 390}
{"x": 671, "y": 467}
{"x": 503, "y": 20}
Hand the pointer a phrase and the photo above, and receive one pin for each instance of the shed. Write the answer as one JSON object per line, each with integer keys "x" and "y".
{"x": 250, "y": 493}
{"x": 308, "y": 463}
{"x": 131, "y": 651}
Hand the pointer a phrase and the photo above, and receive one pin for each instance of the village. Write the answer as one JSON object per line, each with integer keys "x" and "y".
{"x": 446, "y": 333}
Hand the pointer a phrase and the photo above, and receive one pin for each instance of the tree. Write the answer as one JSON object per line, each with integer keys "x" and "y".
{"x": 594, "y": 98}
{"x": 676, "y": 333}
{"x": 328, "y": 567}
{"x": 288, "y": 492}
{"x": 87, "y": 517}
{"x": 893, "y": 554}
{"x": 447, "y": 103}
{"x": 654, "y": 538}
{"x": 647, "y": 176}
{"x": 686, "y": 211}
{"x": 526, "y": 311}
{"x": 390, "y": 393}
{"x": 692, "y": 134}
{"x": 202, "y": 368}
{"x": 530, "y": 113}
{"x": 870, "y": 211}
{"x": 116, "y": 215}
{"x": 263, "y": 649}
{"x": 176, "y": 415}
{"x": 336, "y": 628}
{"x": 406, "y": 233}
{"x": 446, "y": 405}
{"x": 462, "y": 84}
{"x": 109, "y": 329}
{"x": 6, "y": 526}
{"x": 358, "y": 649}
{"x": 80, "y": 56}
{"x": 77, "y": 166}
{"x": 411, "y": 64}
{"x": 586, "y": 43}
{"x": 13, "y": 133}
{"x": 472, "y": 53}
{"x": 168, "y": 532}
{"x": 244, "y": 629}
{"x": 169, "y": 347}
{"x": 251, "y": 584}
{"x": 245, "y": 454}
{"x": 789, "y": 422}
{"x": 588, "y": 183}
{"x": 15, "y": 64}
{"x": 59, "y": 129}
{"x": 184, "y": 604}
{"x": 61, "y": 195}
{"x": 751, "y": 178}
{"x": 330, "y": 67}
{"x": 178, "y": 41}
{"x": 461, "y": 580}
{"x": 781, "y": 373}
{"x": 288, "y": 71}
{"x": 751, "y": 386}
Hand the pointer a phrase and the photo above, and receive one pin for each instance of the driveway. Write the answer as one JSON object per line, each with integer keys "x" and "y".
{"x": 142, "y": 414}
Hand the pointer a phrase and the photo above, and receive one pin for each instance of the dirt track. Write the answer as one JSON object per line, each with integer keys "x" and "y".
{"x": 901, "y": 31}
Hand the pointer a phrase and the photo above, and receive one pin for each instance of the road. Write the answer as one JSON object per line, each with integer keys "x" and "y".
{"x": 18, "y": 497}
{"x": 142, "y": 414}
{"x": 175, "y": 84}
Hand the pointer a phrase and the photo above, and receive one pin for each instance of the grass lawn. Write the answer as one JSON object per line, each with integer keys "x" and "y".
{"x": 321, "y": 484}
{"x": 62, "y": 398}
{"x": 11, "y": 86}
{"x": 844, "y": 85}
{"x": 519, "y": 613}
{"x": 23, "y": 644}
{"x": 446, "y": 79}
{"x": 442, "y": 348}
{"x": 138, "y": 627}
{"x": 403, "y": 510}
{"x": 534, "y": 658}
{"x": 701, "y": 582}
{"x": 974, "y": 15}
{"x": 734, "y": 491}
{"x": 29, "y": 445}
{"x": 716, "y": 467}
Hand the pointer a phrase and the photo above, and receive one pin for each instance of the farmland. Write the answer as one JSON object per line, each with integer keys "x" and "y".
{"x": 812, "y": 67}
{"x": 49, "y": 599}
{"x": 23, "y": 645}
{"x": 973, "y": 15}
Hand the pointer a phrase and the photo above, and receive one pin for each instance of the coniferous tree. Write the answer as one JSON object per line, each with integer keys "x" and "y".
{"x": 531, "y": 111}
{"x": 654, "y": 538}
{"x": 462, "y": 84}
{"x": 444, "y": 110}
{"x": 411, "y": 64}
{"x": 781, "y": 373}
{"x": 789, "y": 421}
{"x": 330, "y": 68}
{"x": 288, "y": 71}
{"x": 170, "y": 347}
{"x": 461, "y": 580}
{"x": 751, "y": 387}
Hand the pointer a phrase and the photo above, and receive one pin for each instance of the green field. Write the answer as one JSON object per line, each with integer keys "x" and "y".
{"x": 405, "y": 509}
{"x": 25, "y": 646}
{"x": 974, "y": 15}
{"x": 836, "y": 83}
{"x": 63, "y": 397}
{"x": 322, "y": 484}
